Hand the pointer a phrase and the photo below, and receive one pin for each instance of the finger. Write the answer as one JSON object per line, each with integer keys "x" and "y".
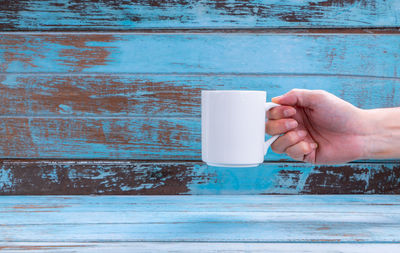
{"x": 299, "y": 150}
{"x": 300, "y": 97}
{"x": 280, "y": 126}
{"x": 280, "y": 112}
{"x": 289, "y": 139}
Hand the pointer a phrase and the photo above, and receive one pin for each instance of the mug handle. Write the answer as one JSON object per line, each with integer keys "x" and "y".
{"x": 268, "y": 106}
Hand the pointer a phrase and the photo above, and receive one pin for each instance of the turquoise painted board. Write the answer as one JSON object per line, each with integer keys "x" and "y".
{"x": 243, "y": 247}
{"x": 142, "y": 138}
{"x": 367, "y": 219}
{"x": 129, "y": 15}
{"x": 181, "y": 203}
{"x": 115, "y": 137}
{"x": 178, "y": 177}
{"x": 133, "y": 95}
{"x": 345, "y": 54}
{"x": 140, "y": 116}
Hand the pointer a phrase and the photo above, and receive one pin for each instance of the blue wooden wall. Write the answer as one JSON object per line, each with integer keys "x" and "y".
{"x": 104, "y": 96}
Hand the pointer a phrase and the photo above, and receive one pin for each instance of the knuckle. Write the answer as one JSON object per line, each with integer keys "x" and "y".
{"x": 321, "y": 93}
{"x": 317, "y": 96}
{"x": 305, "y": 148}
{"x": 292, "y": 91}
{"x": 292, "y": 137}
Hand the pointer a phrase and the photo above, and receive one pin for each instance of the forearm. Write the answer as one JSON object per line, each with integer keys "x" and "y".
{"x": 382, "y": 139}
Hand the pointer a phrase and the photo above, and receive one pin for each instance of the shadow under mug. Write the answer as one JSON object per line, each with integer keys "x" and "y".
{"x": 233, "y": 127}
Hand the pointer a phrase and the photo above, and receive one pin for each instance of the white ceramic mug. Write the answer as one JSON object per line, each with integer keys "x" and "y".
{"x": 233, "y": 127}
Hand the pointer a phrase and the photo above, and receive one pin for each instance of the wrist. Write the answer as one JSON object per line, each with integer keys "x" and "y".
{"x": 381, "y": 133}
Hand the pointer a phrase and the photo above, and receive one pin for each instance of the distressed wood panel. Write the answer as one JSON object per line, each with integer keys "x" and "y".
{"x": 50, "y": 15}
{"x": 345, "y": 54}
{"x": 72, "y": 214}
{"x": 46, "y": 115}
{"x": 201, "y": 247}
{"x": 41, "y": 177}
{"x": 143, "y": 138}
{"x": 181, "y": 203}
{"x": 167, "y": 95}
{"x": 206, "y": 226}
{"x": 56, "y": 219}
{"x": 134, "y": 138}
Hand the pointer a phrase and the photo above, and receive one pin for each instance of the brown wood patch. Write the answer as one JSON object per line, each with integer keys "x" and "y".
{"x": 71, "y": 177}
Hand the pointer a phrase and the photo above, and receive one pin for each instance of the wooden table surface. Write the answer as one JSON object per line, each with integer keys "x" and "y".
{"x": 246, "y": 223}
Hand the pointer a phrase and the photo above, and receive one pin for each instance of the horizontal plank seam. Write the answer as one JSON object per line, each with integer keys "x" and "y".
{"x": 127, "y": 161}
{"x": 224, "y": 30}
{"x": 123, "y": 74}
{"x": 199, "y": 242}
{"x": 177, "y": 222}
{"x": 311, "y": 241}
{"x": 225, "y": 212}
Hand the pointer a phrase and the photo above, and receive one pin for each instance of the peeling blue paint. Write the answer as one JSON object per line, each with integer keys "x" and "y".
{"x": 343, "y": 54}
{"x": 95, "y": 15}
{"x": 65, "y": 109}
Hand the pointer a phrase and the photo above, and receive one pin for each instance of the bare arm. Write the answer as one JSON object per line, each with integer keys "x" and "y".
{"x": 383, "y": 139}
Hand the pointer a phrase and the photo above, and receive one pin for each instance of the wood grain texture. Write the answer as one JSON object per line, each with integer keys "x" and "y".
{"x": 134, "y": 138}
{"x": 113, "y": 95}
{"x": 51, "y": 15}
{"x": 143, "y": 138}
{"x": 367, "y": 219}
{"x": 345, "y": 54}
{"x": 41, "y": 177}
{"x": 140, "y": 116}
{"x": 149, "y": 247}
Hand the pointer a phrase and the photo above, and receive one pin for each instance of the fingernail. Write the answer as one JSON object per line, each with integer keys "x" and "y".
{"x": 289, "y": 112}
{"x": 291, "y": 124}
{"x": 314, "y": 145}
{"x": 301, "y": 133}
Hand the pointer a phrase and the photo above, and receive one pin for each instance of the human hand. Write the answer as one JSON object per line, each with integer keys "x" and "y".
{"x": 317, "y": 127}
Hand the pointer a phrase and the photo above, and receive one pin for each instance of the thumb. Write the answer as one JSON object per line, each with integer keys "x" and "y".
{"x": 298, "y": 97}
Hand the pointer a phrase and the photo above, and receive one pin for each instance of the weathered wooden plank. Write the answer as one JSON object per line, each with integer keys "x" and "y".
{"x": 143, "y": 138}
{"x": 40, "y": 177}
{"x": 114, "y": 138}
{"x": 167, "y": 95}
{"x": 46, "y": 116}
{"x": 138, "y": 212}
{"x": 201, "y": 247}
{"x": 206, "y": 229}
{"x": 201, "y": 203}
{"x": 351, "y": 222}
{"x": 67, "y": 215}
{"x": 129, "y": 15}
{"x": 344, "y": 54}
